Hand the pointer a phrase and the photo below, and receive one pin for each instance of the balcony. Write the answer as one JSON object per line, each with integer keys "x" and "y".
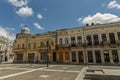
{"x": 19, "y": 49}
{"x": 63, "y": 45}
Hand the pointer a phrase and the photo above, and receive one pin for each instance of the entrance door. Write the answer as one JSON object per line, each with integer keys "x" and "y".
{"x": 54, "y": 56}
{"x": 43, "y": 56}
{"x": 98, "y": 56}
{"x": 90, "y": 56}
{"x": 80, "y": 56}
{"x": 60, "y": 56}
{"x": 31, "y": 57}
{"x": 107, "y": 57}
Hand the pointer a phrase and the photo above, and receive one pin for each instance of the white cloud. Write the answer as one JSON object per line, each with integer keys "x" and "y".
{"x": 79, "y": 19}
{"x": 38, "y": 26}
{"x": 18, "y": 3}
{"x": 25, "y": 11}
{"x": 7, "y": 33}
{"x": 39, "y": 16}
{"x": 101, "y": 18}
{"x": 114, "y": 4}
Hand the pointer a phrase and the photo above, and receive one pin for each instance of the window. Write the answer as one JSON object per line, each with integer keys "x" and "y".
{"x": 79, "y": 39}
{"x": 29, "y": 45}
{"x": 41, "y": 44}
{"x": 47, "y": 43}
{"x": 90, "y": 56}
{"x": 96, "y": 40}
{"x": 23, "y": 46}
{"x": 60, "y": 41}
{"x": 115, "y": 56}
{"x": 73, "y": 56}
{"x": 73, "y": 40}
{"x": 118, "y": 35}
{"x": 89, "y": 40}
{"x": 112, "y": 38}
{"x": 19, "y": 57}
{"x": 34, "y": 45}
{"x": 104, "y": 37}
{"x": 18, "y": 46}
{"x": 66, "y": 41}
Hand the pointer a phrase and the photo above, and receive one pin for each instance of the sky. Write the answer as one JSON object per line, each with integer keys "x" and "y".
{"x": 49, "y": 15}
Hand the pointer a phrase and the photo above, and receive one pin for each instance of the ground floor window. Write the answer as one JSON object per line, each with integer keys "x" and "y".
{"x": 90, "y": 56}
{"x": 80, "y": 56}
{"x": 73, "y": 56}
{"x": 98, "y": 56}
{"x": 115, "y": 56}
{"x": 19, "y": 57}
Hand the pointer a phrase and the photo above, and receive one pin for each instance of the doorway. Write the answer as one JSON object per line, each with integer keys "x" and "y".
{"x": 54, "y": 56}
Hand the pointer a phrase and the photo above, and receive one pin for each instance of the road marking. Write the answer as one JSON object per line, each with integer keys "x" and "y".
{"x": 81, "y": 74}
{"x": 16, "y": 74}
{"x": 60, "y": 70}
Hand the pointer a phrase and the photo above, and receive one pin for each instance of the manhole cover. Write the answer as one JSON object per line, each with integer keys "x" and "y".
{"x": 64, "y": 67}
{"x": 44, "y": 76}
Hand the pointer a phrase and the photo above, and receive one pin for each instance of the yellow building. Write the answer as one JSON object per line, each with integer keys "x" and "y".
{"x": 91, "y": 44}
{"x": 34, "y": 47}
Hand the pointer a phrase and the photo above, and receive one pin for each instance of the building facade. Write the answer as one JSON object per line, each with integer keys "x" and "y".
{"x": 34, "y": 48}
{"x": 5, "y": 50}
{"x": 91, "y": 44}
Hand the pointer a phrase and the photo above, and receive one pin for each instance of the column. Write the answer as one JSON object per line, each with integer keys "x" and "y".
{"x": 94, "y": 58}
{"x": 119, "y": 55}
{"x": 77, "y": 57}
{"x": 110, "y": 54}
{"x": 84, "y": 56}
{"x": 102, "y": 56}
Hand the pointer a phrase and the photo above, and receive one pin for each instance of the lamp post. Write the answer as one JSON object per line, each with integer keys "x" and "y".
{"x": 47, "y": 55}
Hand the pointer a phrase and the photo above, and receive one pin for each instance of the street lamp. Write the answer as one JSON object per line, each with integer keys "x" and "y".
{"x": 47, "y": 55}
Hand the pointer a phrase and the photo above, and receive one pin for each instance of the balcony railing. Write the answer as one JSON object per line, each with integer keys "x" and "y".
{"x": 63, "y": 45}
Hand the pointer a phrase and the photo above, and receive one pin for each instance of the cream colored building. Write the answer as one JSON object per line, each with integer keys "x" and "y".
{"x": 90, "y": 44}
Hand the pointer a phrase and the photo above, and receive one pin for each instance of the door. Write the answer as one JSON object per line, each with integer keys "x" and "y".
{"x": 54, "y": 56}
{"x": 98, "y": 56}
{"x": 60, "y": 56}
{"x": 107, "y": 57}
{"x": 31, "y": 57}
{"x": 80, "y": 56}
{"x": 90, "y": 56}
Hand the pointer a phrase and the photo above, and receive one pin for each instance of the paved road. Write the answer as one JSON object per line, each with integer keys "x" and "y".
{"x": 39, "y": 72}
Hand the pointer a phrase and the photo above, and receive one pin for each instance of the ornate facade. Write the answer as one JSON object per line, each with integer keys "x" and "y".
{"x": 91, "y": 44}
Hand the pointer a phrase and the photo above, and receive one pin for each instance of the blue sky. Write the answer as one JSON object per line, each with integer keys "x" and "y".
{"x": 49, "y": 15}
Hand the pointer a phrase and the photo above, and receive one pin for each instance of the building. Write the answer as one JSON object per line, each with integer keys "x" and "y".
{"x": 5, "y": 50}
{"x": 34, "y": 47}
{"x": 91, "y": 44}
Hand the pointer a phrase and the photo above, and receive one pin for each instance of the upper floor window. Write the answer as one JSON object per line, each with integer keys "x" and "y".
{"x": 47, "y": 43}
{"x": 34, "y": 45}
{"x": 112, "y": 38}
{"x": 41, "y": 44}
{"x": 103, "y": 37}
{"x": 23, "y": 46}
{"x": 18, "y": 46}
{"x": 96, "y": 40}
{"x": 118, "y": 35}
{"x": 60, "y": 41}
{"x": 66, "y": 41}
{"x": 73, "y": 40}
{"x": 29, "y": 45}
{"x": 89, "y": 40}
{"x": 79, "y": 39}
